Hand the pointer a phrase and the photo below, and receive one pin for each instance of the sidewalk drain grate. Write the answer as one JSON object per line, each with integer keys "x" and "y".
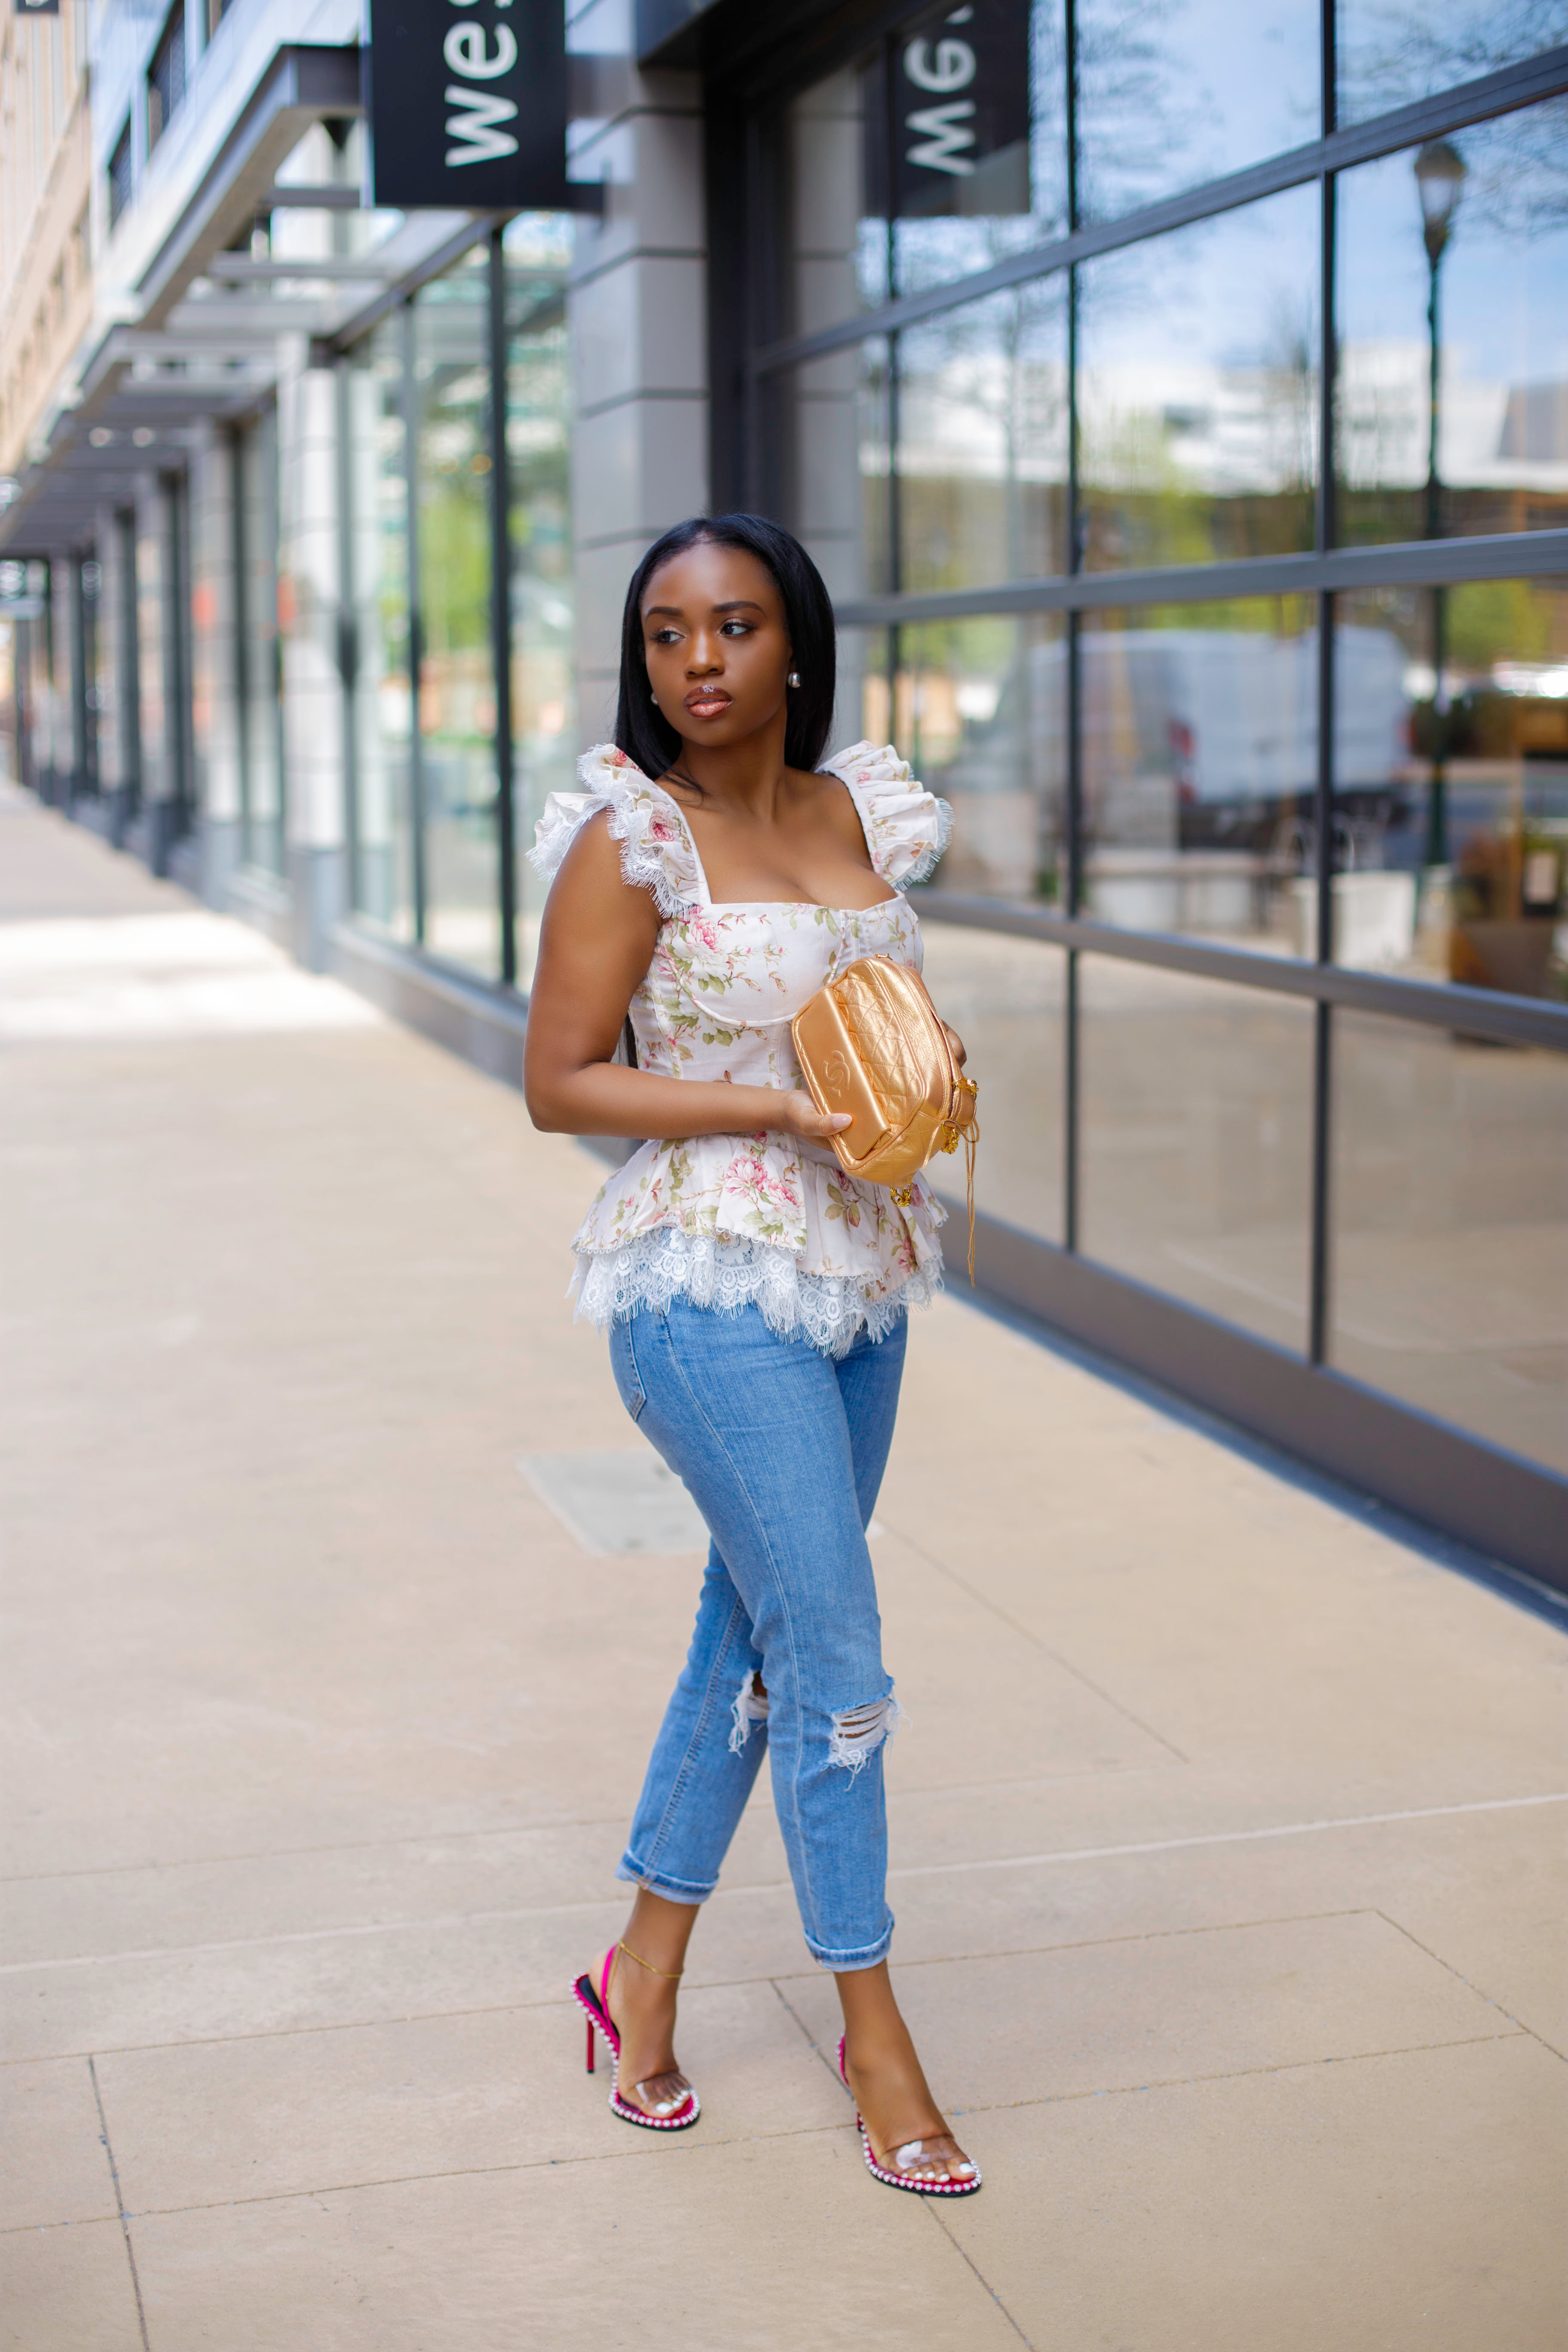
{"x": 620, "y": 1502}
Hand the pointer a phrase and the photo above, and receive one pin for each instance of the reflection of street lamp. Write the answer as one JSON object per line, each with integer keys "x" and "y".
{"x": 1439, "y": 179}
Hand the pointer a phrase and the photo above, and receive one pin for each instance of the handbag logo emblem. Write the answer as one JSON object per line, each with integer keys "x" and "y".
{"x": 835, "y": 1073}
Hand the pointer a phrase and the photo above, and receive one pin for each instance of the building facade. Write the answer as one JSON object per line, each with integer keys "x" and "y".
{"x": 1176, "y": 403}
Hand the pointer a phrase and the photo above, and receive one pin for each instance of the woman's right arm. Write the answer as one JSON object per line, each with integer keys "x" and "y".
{"x": 595, "y": 944}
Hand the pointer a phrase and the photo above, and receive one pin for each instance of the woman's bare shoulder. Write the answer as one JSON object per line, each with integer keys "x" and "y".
{"x": 825, "y": 799}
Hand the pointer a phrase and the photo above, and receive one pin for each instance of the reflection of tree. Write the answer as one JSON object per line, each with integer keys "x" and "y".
{"x": 1136, "y": 130}
{"x": 1169, "y": 480}
{"x": 1395, "y": 50}
{"x": 1491, "y": 621}
{"x": 1004, "y": 362}
{"x": 454, "y": 560}
{"x": 1516, "y": 171}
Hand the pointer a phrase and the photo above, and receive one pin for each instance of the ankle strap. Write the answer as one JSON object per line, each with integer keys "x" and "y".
{"x": 671, "y": 1976}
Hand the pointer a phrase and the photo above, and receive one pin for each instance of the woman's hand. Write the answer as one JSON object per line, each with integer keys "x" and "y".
{"x": 798, "y": 1114}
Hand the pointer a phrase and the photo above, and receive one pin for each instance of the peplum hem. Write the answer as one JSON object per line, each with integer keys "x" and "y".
{"x": 826, "y": 1310}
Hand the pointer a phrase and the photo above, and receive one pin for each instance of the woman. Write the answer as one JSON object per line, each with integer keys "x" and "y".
{"x": 709, "y": 880}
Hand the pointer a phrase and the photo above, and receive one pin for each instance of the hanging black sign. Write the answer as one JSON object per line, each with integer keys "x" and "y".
{"x": 958, "y": 113}
{"x": 467, "y": 105}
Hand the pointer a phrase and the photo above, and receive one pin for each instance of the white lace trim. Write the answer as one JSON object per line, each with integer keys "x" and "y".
{"x": 926, "y": 864}
{"x": 654, "y": 1269}
{"x": 893, "y": 807}
{"x": 892, "y": 804}
{"x": 666, "y": 869}
{"x": 646, "y": 865}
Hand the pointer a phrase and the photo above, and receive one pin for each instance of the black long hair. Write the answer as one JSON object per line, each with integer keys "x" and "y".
{"x": 643, "y": 732}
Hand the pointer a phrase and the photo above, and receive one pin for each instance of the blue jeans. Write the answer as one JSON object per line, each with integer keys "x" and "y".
{"x": 783, "y": 1450}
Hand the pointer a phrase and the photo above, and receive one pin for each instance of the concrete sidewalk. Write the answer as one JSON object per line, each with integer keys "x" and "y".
{"x": 1225, "y": 1842}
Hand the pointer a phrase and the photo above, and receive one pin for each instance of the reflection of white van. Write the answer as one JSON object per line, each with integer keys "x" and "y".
{"x": 1193, "y": 739}
{"x": 1231, "y": 717}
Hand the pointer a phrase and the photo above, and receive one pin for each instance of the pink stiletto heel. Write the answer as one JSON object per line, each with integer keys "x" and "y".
{"x": 595, "y": 2006}
{"x": 911, "y": 2150}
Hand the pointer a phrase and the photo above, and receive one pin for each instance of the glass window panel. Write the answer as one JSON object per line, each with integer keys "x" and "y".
{"x": 1196, "y": 1131}
{"x": 1200, "y": 754}
{"x": 829, "y": 421}
{"x": 385, "y": 846}
{"x": 1007, "y": 1000}
{"x": 1501, "y": 288}
{"x": 1450, "y": 1252}
{"x": 978, "y": 710}
{"x": 862, "y": 701}
{"x": 544, "y": 643}
{"x": 1392, "y": 52}
{"x": 260, "y": 653}
{"x": 1198, "y": 390}
{"x": 854, "y": 240}
{"x": 981, "y": 447}
{"x": 1452, "y": 791}
{"x": 457, "y": 681}
{"x": 1004, "y": 996}
{"x": 1171, "y": 97}
{"x": 839, "y": 260}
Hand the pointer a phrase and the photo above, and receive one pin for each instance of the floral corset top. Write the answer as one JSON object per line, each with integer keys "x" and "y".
{"x": 730, "y": 1220}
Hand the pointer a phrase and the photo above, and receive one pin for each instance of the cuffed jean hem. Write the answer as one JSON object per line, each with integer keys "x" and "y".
{"x": 674, "y": 1890}
{"x": 843, "y": 1964}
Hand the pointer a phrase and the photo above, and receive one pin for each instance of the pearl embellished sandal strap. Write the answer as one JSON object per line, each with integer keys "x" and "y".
{"x": 671, "y": 1976}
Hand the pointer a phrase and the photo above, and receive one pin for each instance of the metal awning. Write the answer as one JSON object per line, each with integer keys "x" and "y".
{"x": 206, "y": 340}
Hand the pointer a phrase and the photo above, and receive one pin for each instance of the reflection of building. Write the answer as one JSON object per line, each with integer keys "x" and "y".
{"x": 1067, "y": 492}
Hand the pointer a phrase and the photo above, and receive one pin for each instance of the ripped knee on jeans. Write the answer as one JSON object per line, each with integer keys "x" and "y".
{"x": 859, "y": 1731}
{"x": 749, "y": 1706}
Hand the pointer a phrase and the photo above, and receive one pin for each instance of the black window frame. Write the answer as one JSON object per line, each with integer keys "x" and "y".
{"x": 748, "y": 355}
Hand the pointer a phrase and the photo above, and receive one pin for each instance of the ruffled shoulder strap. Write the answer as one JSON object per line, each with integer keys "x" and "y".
{"x": 907, "y": 828}
{"x": 658, "y": 854}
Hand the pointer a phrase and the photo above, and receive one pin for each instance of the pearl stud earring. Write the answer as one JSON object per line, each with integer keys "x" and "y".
{"x": 794, "y": 677}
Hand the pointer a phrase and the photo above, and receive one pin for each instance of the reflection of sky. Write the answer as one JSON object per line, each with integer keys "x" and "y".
{"x": 1229, "y": 292}
{"x": 1504, "y": 292}
{"x": 1173, "y": 92}
{"x": 1392, "y": 51}
{"x": 1504, "y": 308}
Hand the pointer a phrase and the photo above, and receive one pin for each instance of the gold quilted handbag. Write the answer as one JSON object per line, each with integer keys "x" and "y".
{"x": 871, "y": 1043}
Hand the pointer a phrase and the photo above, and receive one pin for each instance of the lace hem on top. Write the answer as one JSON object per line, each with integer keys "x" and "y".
{"x": 655, "y": 1268}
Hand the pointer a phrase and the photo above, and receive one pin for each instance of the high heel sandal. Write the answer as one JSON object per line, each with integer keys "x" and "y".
{"x": 674, "y": 2114}
{"x": 911, "y": 2150}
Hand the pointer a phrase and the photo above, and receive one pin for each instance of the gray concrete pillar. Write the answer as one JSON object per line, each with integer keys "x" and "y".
{"x": 637, "y": 311}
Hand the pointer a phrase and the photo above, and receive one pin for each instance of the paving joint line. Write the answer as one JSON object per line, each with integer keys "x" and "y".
{"x": 1471, "y": 1985}
{"x": 1241, "y": 2073}
{"x": 287, "y": 1853}
{"x": 748, "y": 2139}
{"x": 984, "y": 1601}
{"x": 940, "y": 2217}
{"x": 711, "y": 1984}
{"x": 119, "y": 2202}
{"x": 438, "y": 1920}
